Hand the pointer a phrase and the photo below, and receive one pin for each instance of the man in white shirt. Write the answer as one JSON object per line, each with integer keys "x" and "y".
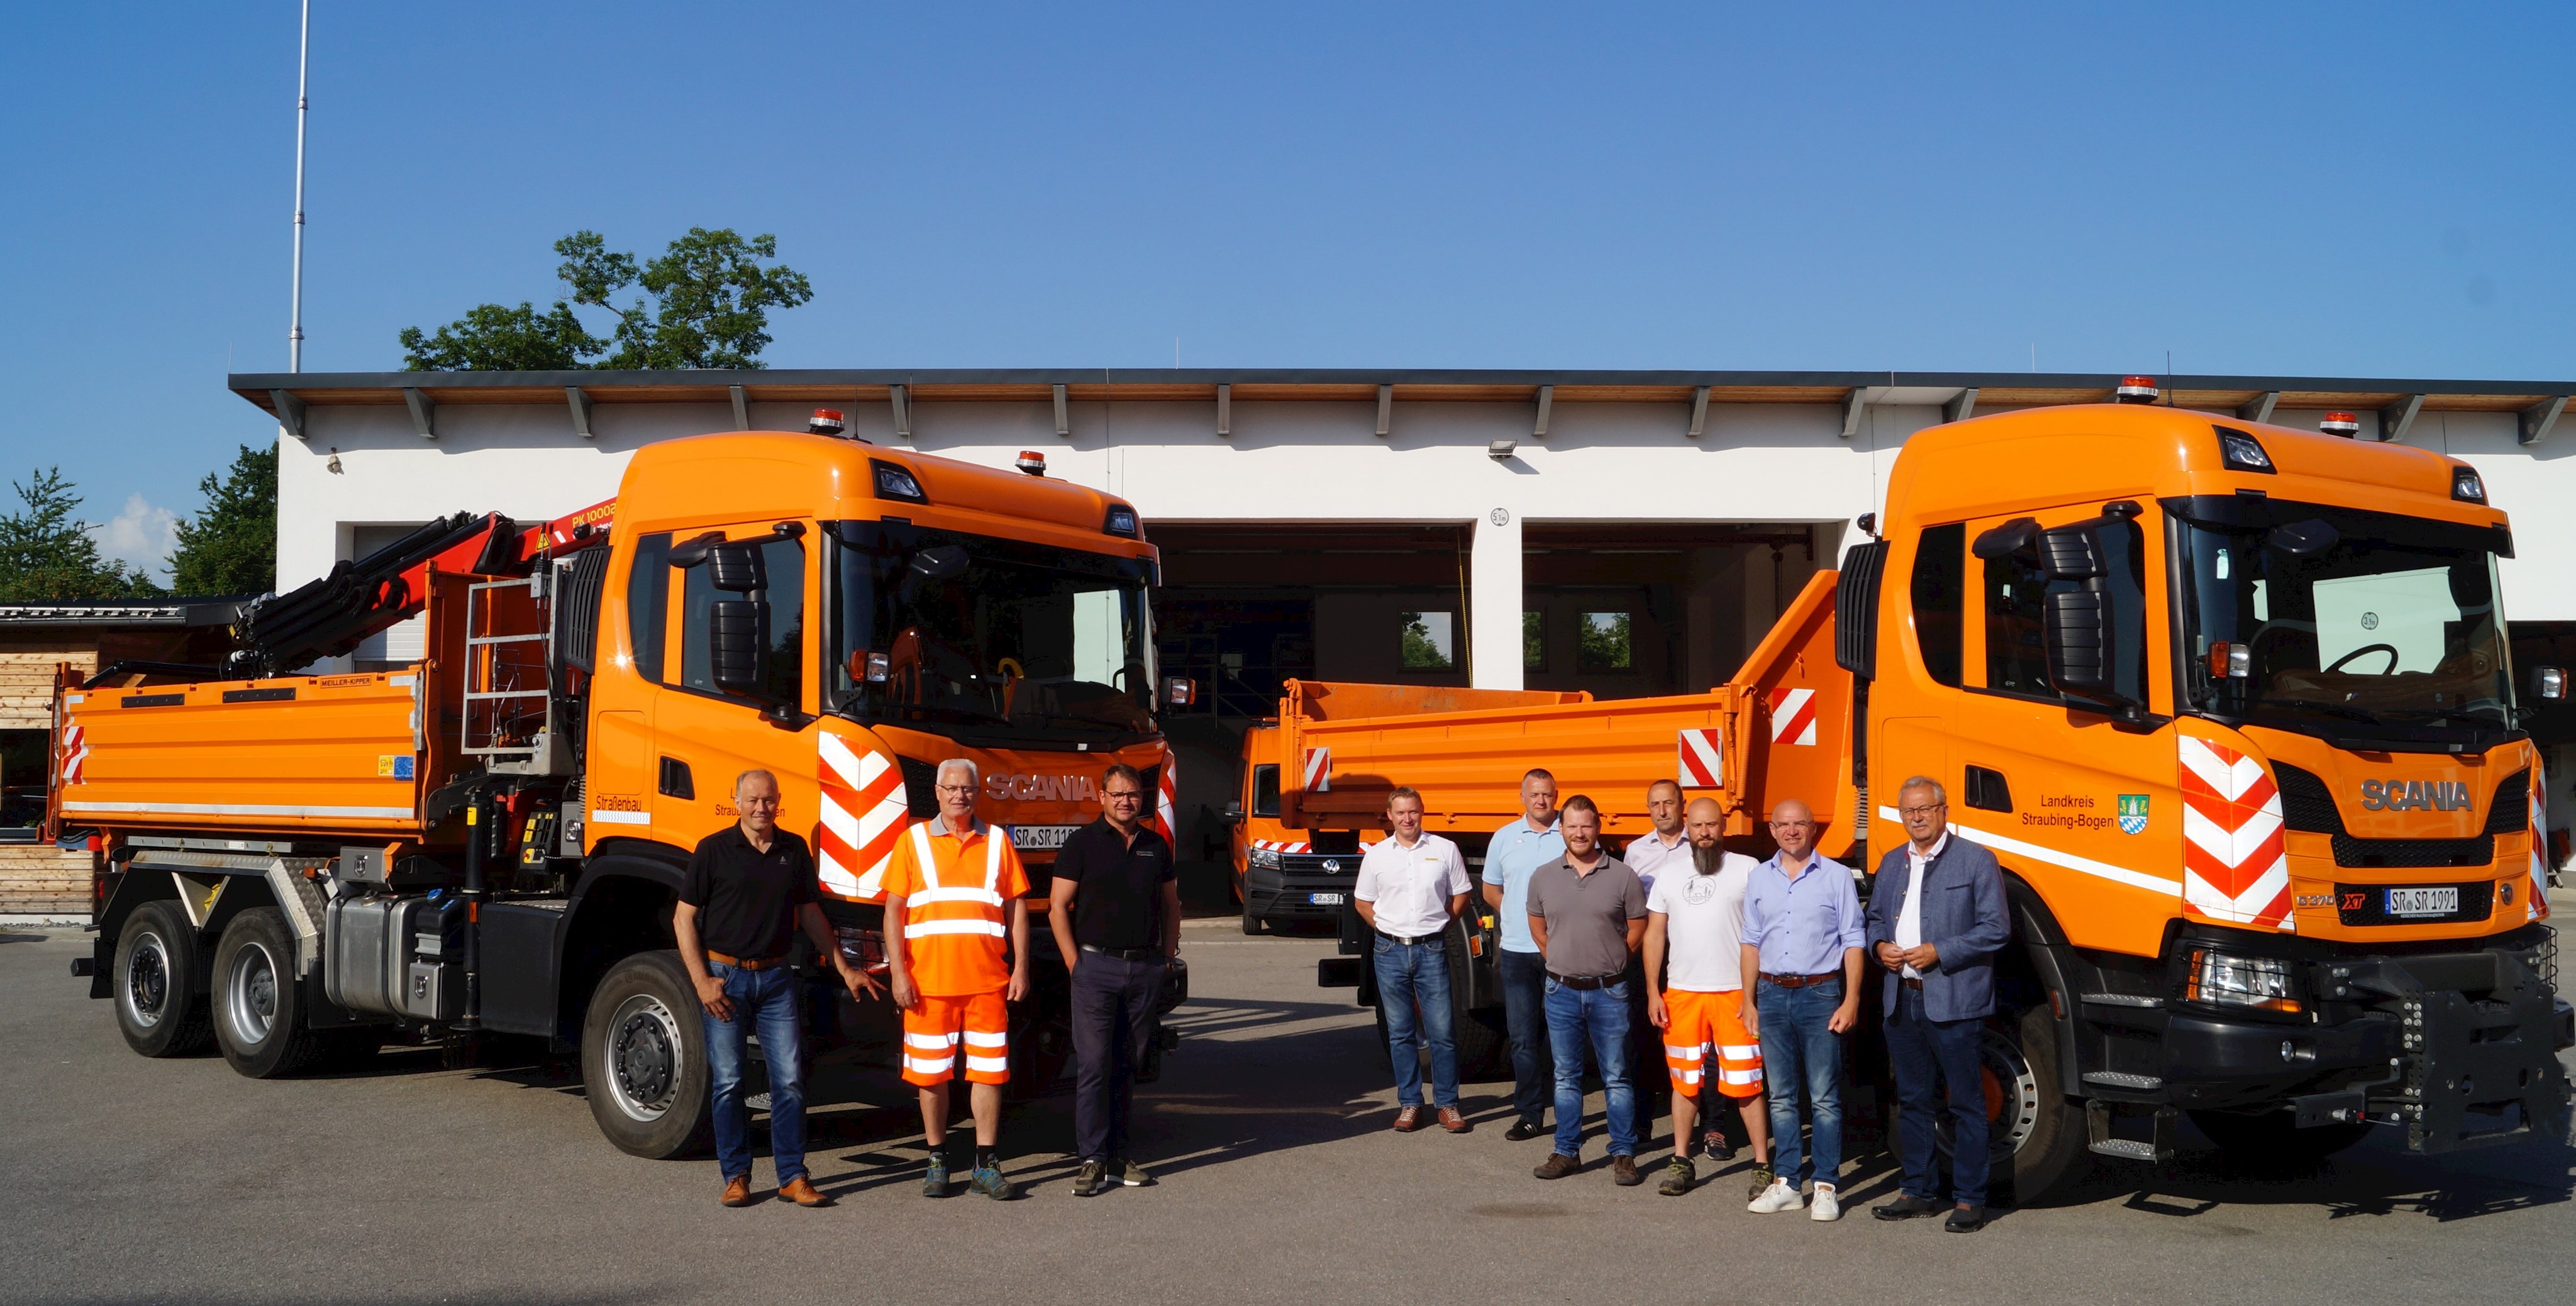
{"x": 1666, "y": 847}
{"x": 1694, "y": 924}
{"x": 1411, "y": 885}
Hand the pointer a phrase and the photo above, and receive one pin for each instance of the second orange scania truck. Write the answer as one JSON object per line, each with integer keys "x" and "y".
{"x": 292, "y": 866}
{"x": 2232, "y": 705}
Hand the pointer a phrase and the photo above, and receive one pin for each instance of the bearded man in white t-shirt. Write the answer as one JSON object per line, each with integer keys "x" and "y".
{"x": 1694, "y": 926}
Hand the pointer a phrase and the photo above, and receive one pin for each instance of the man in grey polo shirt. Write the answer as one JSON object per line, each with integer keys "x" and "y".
{"x": 1587, "y": 912}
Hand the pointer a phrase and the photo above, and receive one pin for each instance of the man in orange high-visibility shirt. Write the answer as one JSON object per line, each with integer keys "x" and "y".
{"x": 953, "y": 895}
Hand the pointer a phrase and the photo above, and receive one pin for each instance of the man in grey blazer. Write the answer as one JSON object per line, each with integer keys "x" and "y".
{"x": 1936, "y": 919}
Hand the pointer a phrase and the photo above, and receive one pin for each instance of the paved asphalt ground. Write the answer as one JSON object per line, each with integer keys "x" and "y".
{"x": 129, "y": 1180}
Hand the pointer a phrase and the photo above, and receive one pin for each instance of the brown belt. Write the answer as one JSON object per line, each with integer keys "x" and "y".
{"x": 1799, "y": 981}
{"x": 746, "y": 963}
{"x": 1909, "y": 983}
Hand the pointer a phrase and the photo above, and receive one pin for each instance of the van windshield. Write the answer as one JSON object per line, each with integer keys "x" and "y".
{"x": 1007, "y": 638}
{"x": 2349, "y": 623}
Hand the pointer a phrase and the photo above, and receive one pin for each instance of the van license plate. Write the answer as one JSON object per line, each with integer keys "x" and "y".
{"x": 1039, "y": 838}
{"x": 2424, "y": 902}
{"x": 1327, "y": 899}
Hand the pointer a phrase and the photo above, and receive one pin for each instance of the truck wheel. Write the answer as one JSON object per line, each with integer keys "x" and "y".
{"x": 2035, "y": 1132}
{"x": 2274, "y": 1140}
{"x": 160, "y": 992}
{"x": 1251, "y": 918}
{"x": 258, "y": 1002}
{"x": 1484, "y": 1047}
{"x": 644, "y": 1059}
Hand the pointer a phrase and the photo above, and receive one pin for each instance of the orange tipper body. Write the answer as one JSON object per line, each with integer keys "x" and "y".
{"x": 2231, "y": 706}
{"x": 495, "y": 837}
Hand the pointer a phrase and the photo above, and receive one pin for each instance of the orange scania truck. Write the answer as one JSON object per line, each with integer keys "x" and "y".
{"x": 293, "y": 866}
{"x": 2231, "y": 703}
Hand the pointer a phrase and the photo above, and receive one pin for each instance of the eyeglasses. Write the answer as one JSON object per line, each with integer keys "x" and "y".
{"x": 956, "y": 789}
{"x": 1911, "y": 812}
{"x": 1124, "y": 795}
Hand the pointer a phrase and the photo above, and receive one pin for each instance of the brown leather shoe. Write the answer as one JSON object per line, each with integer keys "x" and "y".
{"x": 738, "y": 1190}
{"x": 1408, "y": 1120}
{"x": 1452, "y": 1121}
{"x": 802, "y": 1192}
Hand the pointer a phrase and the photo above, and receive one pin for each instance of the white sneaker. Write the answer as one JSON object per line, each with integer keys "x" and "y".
{"x": 1780, "y": 1196}
{"x": 1825, "y": 1208}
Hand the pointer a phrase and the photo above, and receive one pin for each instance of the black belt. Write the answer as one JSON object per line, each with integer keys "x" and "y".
{"x": 1586, "y": 981}
{"x": 1127, "y": 954}
{"x": 1418, "y": 938}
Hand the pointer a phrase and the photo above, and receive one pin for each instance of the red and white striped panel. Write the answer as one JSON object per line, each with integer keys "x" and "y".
{"x": 75, "y": 753}
{"x": 2537, "y": 903}
{"x": 1700, "y": 765}
{"x": 2233, "y": 866}
{"x": 1319, "y": 771}
{"x": 1793, "y": 717}
{"x": 1165, "y": 788}
{"x": 1282, "y": 845}
{"x": 864, "y": 811}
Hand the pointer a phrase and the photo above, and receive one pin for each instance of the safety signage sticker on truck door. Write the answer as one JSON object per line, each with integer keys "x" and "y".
{"x": 1700, "y": 764}
{"x": 1793, "y": 717}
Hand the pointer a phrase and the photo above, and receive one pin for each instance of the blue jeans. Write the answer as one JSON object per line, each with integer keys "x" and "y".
{"x": 1924, "y": 1053}
{"x": 770, "y": 998}
{"x": 1798, "y": 1050}
{"x": 1410, "y": 974}
{"x": 1598, "y": 1018}
{"x": 1524, "y": 977}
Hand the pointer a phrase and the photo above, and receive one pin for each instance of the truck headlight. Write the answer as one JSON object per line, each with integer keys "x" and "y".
{"x": 2225, "y": 979}
{"x": 1265, "y": 858}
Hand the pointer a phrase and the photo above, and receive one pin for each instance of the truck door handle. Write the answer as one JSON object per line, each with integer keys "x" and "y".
{"x": 675, "y": 780}
{"x": 1987, "y": 791}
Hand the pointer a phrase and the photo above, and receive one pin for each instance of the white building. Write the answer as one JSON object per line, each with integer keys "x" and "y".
{"x": 1310, "y": 519}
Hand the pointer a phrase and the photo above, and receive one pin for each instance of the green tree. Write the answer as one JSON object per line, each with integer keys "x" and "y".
{"x": 47, "y": 553}
{"x": 1426, "y": 642}
{"x": 705, "y": 303}
{"x": 1608, "y": 641}
{"x": 230, "y": 546}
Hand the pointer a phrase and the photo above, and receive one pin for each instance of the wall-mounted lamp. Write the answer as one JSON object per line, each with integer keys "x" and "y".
{"x": 333, "y": 466}
{"x": 1501, "y": 449}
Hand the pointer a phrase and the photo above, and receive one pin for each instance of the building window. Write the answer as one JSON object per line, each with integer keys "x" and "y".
{"x": 1533, "y": 641}
{"x": 648, "y": 596}
{"x": 1430, "y": 641}
{"x": 784, "y": 563}
{"x": 1609, "y": 641}
{"x": 1940, "y": 575}
{"x": 22, "y": 784}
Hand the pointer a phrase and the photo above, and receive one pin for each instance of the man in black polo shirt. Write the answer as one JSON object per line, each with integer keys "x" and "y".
{"x": 1117, "y": 920}
{"x": 748, "y": 888}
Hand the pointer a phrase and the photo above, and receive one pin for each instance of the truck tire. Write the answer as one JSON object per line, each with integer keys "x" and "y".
{"x": 1484, "y": 1046}
{"x": 1251, "y": 918}
{"x": 257, "y": 999}
{"x": 644, "y": 1059}
{"x": 2274, "y": 1140}
{"x": 159, "y": 984}
{"x": 2037, "y": 1134}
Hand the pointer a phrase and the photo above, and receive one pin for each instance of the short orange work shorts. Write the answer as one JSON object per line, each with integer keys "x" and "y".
{"x": 1696, "y": 1024}
{"x": 934, "y": 1029}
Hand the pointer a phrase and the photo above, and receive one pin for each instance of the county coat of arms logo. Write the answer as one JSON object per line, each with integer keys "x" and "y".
{"x": 2133, "y": 813}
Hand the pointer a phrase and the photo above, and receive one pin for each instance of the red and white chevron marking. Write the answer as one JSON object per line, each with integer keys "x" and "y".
{"x": 1319, "y": 770}
{"x": 1700, "y": 764}
{"x": 1164, "y": 790}
{"x": 75, "y": 753}
{"x": 1282, "y": 845}
{"x": 1793, "y": 717}
{"x": 2536, "y": 903}
{"x": 864, "y": 812}
{"x": 2233, "y": 866}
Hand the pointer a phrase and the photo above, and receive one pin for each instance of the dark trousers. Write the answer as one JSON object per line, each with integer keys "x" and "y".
{"x": 1524, "y": 976}
{"x": 1113, "y": 1015}
{"x": 1924, "y": 1054}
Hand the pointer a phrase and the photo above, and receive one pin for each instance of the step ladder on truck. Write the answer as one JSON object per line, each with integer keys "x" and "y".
{"x": 2232, "y": 705}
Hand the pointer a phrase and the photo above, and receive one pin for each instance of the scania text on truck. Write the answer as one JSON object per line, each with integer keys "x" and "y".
{"x": 293, "y": 866}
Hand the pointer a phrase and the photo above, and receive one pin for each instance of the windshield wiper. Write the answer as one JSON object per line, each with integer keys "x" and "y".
{"x": 2461, "y": 715}
{"x": 2344, "y": 710}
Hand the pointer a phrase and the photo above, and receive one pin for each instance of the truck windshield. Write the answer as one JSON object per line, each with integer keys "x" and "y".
{"x": 993, "y": 636}
{"x": 2353, "y": 624}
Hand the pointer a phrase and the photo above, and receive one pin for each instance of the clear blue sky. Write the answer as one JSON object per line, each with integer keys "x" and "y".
{"x": 2354, "y": 189}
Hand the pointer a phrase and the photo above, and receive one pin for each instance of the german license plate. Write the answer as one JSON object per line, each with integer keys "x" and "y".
{"x": 1041, "y": 837}
{"x": 2424, "y": 902}
{"x": 1327, "y": 899}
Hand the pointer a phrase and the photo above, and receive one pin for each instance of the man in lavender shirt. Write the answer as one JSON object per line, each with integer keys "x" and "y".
{"x": 1803, "y": 932}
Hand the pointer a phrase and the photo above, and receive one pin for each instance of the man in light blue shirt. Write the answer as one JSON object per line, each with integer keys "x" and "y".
{"x": 1803, "y": 932}
{"x": 1511, "y": 856}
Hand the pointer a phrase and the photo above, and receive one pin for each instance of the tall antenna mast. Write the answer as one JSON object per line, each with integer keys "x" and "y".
{"x": 295, "y": 325}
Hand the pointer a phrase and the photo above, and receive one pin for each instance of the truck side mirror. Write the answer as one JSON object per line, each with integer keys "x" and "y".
{"x": 1179, "y": 691}
{"x": 738, "y": 646}
{"x": 737, "y": 568}
{"x": 1233, "y": 813}
{"x": 2549, "y": 683}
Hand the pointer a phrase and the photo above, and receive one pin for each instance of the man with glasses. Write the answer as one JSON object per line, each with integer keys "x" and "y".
{"x": 1411, "y": 885}
{"x": 1802, "y": 938}
{"x": 1115, "y": 907}
{"x": 1936, "y": 921}
{"x": 1514, "y": 853}
{"x": 954, "y": 891}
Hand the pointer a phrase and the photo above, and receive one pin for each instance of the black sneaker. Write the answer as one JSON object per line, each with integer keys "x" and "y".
{"x": 1906, "y": 1207}
{"x": 1134, "y": 1175}
{"x": 1524, "y": 1130}
{"x": 1091, "y": 1180}
{"x": 1965, "y": 1219}
{"x": 1718, "y": 1149}
{"x": 1557, "y": 1166}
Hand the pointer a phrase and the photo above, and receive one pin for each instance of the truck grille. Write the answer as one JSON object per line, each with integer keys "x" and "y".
{"x": 2511, "y": 809}
{"x": 1314, "y": 863}
{"x": 2307, "y": 806}
{"x": 2413, "y": 853}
